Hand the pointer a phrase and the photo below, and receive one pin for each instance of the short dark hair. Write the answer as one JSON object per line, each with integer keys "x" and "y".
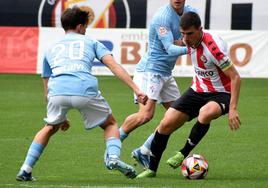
{"x": 72, "y": 17}
{"x": 190, "y": 19}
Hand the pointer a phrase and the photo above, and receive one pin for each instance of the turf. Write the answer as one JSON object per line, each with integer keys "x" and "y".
{"x": 75, "y": 158}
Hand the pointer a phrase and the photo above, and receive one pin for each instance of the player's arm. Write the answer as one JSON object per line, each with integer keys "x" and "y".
{"x": 224, "y": 63}
{"x": 122, "y": 74}
{"x": 46, "y": 72}
{"x": 167, "y": 39}
{"x": 179, "y": 42}
{"x": 234, "y": 120}
{"x": 45, "y": 82}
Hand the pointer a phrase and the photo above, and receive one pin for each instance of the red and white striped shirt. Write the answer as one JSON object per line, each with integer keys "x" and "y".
{"x": 210, "y": 60}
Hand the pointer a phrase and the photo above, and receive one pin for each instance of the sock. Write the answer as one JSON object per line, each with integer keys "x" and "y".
{"x": 33, "y": 155}
{"x": 145, "y": 148}
{"x": 198, "y": 131}
{"x": 113, "y": 147}
{"x": 123, "y": 135}
{"x": 158, "y": 146}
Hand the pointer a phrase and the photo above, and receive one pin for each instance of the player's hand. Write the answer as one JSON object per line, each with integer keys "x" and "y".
{"x": 65, "y": 125}
{"x": 141, "y": 97}
{"x": 234, "y": 120}
{"x": 179, "y": 42}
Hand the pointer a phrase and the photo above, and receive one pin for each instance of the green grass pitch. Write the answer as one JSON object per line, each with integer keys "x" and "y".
{"x": 75, "y": 158}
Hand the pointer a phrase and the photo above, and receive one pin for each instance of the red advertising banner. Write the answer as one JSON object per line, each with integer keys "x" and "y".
{"x": 18, "y": 49}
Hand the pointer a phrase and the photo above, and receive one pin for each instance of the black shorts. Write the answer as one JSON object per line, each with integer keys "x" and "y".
{"x": 191, "y": 102}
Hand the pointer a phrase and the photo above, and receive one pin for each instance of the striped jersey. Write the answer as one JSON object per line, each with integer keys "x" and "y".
{"x": 162, "y": 53}
{"x": 210, "y": 60}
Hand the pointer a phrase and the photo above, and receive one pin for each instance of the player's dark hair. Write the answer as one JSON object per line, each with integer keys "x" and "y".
{"x": 72, "y": 17}
{"x": 190, "y": 19}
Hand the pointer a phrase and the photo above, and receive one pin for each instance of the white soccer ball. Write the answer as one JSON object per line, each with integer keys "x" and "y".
{"x": 194, "y": 167}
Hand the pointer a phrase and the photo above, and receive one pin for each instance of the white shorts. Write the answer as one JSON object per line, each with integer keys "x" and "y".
{"x": 157, "y": 87}
{"x": 94, "y": 110}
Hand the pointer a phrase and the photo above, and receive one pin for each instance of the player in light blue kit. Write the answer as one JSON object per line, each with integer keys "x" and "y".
{"x": 154, "y": 71}
{"x": 68, "y": 83}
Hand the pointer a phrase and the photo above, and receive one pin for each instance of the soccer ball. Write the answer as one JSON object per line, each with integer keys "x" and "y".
{"x": 194, "y": 167}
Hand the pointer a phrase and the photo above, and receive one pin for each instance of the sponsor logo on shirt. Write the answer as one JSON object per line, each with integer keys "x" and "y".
{"x": 68, "y": 69}
{"x": 204, "y": 73}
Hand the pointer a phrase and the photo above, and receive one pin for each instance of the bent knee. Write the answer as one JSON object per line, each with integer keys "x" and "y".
{"x": 165, "y": 127}
{"x": 206, "y": 115}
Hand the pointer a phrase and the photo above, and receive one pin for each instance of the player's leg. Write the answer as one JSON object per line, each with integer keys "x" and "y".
{"x": 217, "y": 105}
{"x": 133, "y": 121}
{"x": 208, "y": 112}
{"x": 97, "y": 112}
{"x": 113, "y": 149}
{"x": 36, "y": 148}
{"x": 168, "y": 94}
{"x": 212, "y": 110}
{"x": 111, "y": 136}
{"x": 56, "y": 117}
{"x": 190, "y": 103}
{"x": 172, "y": 120}
{"x": 151, "y": 84}
{"x": 142, "y": 153}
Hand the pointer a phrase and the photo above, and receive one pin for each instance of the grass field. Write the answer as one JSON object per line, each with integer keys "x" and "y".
{"x": 75, "y": 158}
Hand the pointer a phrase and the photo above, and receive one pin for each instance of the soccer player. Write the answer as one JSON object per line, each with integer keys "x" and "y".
{"x": 69, "y": 83}
{"x": 213, "y": 93}
{"x": 154, "y": 71}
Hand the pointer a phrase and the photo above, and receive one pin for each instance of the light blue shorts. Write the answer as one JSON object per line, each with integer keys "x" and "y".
{"x": 94, "y": 110}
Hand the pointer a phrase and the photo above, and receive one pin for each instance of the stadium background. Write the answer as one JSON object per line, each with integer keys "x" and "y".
{"x": 75, "y": 158}
{"x": 28, "y": 28}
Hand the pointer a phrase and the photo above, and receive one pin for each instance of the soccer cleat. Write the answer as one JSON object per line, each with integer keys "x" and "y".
{"x": 143, "y": 160}
{"x": 147, "y": 174}
{"x": 105, "y": 156}
{"x": 116, "y": 164}
{"x": 24, "y": 176}
{"x": 176, "y": 160}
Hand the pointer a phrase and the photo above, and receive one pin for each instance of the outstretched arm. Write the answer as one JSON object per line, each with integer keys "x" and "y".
{"x": 122, "y": 74}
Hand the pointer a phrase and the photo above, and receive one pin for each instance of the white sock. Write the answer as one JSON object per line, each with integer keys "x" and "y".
{"x": 26, "y": 168}
{"x": 145, "y": 151}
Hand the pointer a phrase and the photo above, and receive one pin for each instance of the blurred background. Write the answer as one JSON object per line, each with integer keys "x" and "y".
{"x": 27, "y": 28}
{"x": 223, "y": 15}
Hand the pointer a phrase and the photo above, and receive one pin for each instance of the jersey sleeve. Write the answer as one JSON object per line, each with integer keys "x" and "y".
{"x": 188, "y": 8}
{"x": 46, "y": 72}
{"x": 101, "y": 50}
{"x": 166, "y": 37}
{"x": 219, "y": 51}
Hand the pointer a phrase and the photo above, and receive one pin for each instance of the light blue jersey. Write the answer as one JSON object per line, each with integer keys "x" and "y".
{"x": 69, "y": 62}
{"x": 162, "y": 54}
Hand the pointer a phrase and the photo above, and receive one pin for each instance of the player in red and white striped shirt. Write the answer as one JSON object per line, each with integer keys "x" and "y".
{"x": 210, "y": 60}
{"x": 214, "y": 92}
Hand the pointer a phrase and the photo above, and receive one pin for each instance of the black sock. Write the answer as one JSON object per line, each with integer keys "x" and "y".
{"x": 198, "y": 131}
{"x": 158, "y": 146}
